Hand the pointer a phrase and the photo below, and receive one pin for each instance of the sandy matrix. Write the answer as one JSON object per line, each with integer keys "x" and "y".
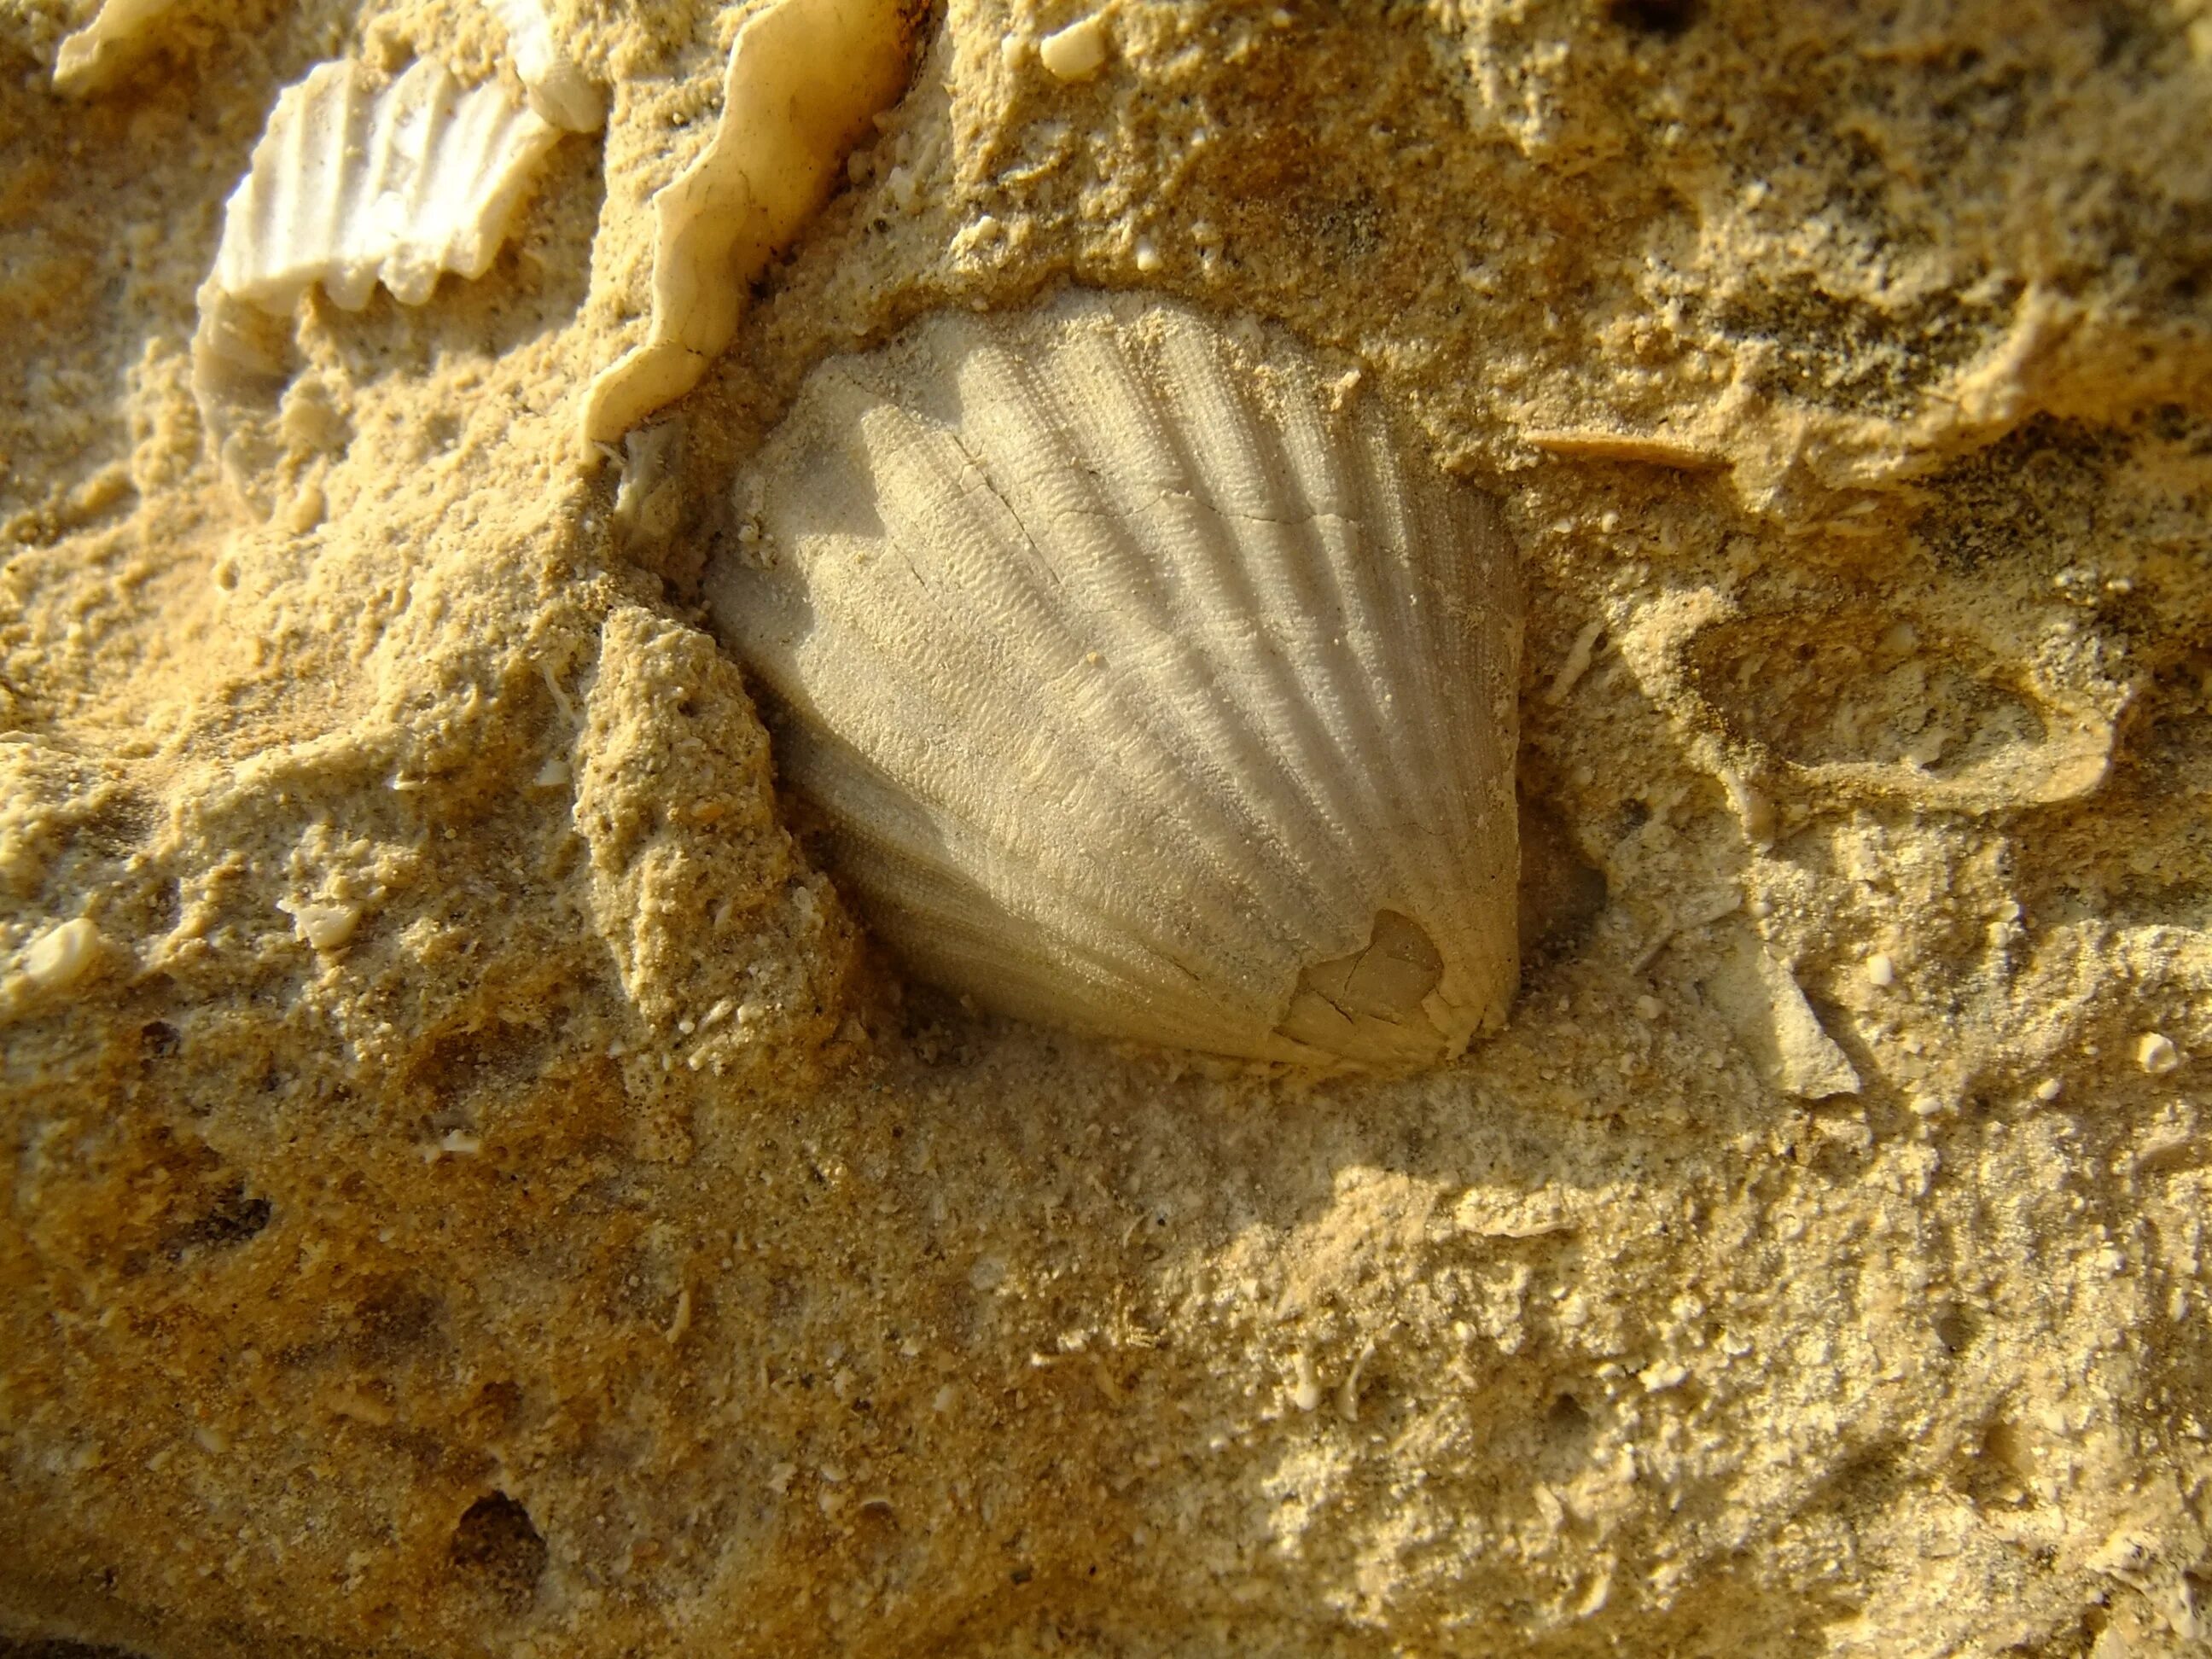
{"x": 395, "y": 1257}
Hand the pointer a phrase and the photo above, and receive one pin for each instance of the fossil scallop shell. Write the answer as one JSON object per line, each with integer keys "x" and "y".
{"x": 1149, "y": 679}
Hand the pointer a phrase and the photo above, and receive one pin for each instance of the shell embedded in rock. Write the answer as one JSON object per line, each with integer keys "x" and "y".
{"x": 1149, "y": 680}
{"x": 805, "y": 81}
{"x": 557, "y": 87}
{"x": 120, "y": 30}
{"x": 350, "y": 186}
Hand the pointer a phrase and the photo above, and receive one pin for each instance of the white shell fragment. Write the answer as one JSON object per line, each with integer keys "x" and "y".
{"x": 119, "y": 32}
{"x": 805, "y": 78}
{"x": 1149, "y": 681}
{"x": 351, "y": 185}
{"x": 558, "y": 88}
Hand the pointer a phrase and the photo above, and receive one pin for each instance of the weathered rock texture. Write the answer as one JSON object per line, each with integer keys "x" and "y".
{"x": 400, "y": 1253}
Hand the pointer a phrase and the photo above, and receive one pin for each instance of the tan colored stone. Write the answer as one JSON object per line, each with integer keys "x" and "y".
{"x": 1848, "y": 367}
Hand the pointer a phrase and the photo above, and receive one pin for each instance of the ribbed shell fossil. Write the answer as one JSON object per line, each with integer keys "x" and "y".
{"x": 1149, "y": 680}
{"x": 352, "y": 183}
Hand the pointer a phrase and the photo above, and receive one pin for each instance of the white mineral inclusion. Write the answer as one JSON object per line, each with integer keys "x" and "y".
{"x": 1076, "y": 52}
{"x": 62, "y": 955}
{"x": 324, "y": 927}
{"x": 1150, "y": 681}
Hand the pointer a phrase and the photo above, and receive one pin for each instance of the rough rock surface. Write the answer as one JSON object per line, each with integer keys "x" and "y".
{"x": 470, "y": 1187}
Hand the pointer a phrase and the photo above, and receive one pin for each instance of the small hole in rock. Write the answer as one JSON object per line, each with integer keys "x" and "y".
{"x": 1669, "y": 17}
{"x": 392, "y": 1317}
{"x": 495, "y": 1544}
{"x": 232, "y": 1219}
{"x": 493, "y": 1407}
{"x": 1956, "y": 1328}
{"x": 1561, "y": 894}
{"x": 1567, "y": 1424}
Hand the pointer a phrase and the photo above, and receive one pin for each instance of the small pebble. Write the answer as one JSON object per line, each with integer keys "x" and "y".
{"x": 1075, "y": 52}
{"x": 2156, "y": 1054}
{"x": 2049, "y": 1090}
{"x": 1148, "y": 257}
{"x": 62, "y": 955}
{"x": 1880, "y": 971}
{"x": 1647, "y": 1008}
{"x": 1662, "y": 1374}
{"x": 326, "y": 926}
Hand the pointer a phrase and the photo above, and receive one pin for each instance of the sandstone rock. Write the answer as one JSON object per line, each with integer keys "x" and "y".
{"x": 415, "y": 1294}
